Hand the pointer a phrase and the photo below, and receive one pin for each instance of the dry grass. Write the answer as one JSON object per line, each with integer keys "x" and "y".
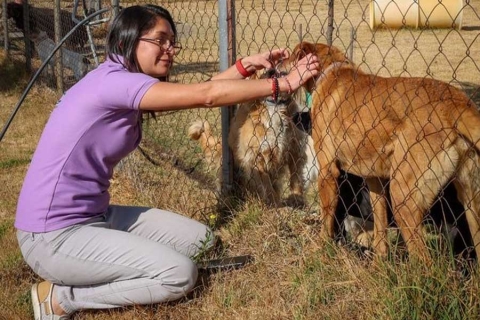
{"x": 295, "y": 275}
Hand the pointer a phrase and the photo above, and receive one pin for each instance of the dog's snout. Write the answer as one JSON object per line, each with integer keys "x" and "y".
{"x": 270, "y": 73}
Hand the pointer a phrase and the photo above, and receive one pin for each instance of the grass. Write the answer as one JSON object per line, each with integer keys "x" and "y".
{"x": 295, "y": 274}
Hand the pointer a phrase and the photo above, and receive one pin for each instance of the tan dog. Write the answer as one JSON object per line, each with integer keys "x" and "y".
{"x": 267, "y": 147}
{"x": 413, "y": 133}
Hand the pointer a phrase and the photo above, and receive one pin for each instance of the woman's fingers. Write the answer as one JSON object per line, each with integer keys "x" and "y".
{"x": 276, "y": 55}
{"x": 306, "y": 68}
{"x": 310, "y": 60}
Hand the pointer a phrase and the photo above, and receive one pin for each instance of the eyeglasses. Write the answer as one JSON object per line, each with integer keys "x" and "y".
{"x": 165, "y": 44}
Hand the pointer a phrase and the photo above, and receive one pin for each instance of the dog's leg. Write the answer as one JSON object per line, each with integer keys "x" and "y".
{"x": 408, "y": 215}
{"x": 420, "y": 168}
{"x": 296, "y": 177}
{"x": 310, "y": 170}
{"x": 261, "y": 183}
{"x": 296, "y": 161}
{"x": 380, "y": 219}
{"x": 277, "y": 185}
{"x": 468, "y": 190}
{"x": 328, "y": 193}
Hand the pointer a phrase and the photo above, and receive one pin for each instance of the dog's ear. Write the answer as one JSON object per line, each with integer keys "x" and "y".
{"x": 302, "y": 49}
{"x": 327, "y": 54}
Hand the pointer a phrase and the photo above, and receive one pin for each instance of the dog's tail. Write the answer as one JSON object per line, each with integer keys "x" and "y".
{"x": 468, "y": 123}
{"x": 211, "y": 146}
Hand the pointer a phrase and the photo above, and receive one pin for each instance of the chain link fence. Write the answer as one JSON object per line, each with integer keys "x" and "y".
{"x": 33, "y": 29}
{"x": 419, "y": 38}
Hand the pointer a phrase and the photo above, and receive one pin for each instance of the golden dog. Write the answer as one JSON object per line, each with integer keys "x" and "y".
{"x": 266, "y": 147}
{"x": 414, "y": 134}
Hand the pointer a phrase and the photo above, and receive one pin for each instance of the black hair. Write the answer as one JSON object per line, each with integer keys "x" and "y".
{"x": 128, "y": 26}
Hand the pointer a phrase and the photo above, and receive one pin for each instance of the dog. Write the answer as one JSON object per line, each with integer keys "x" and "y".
{"x": 267, "y": 148}
{"x": 75, "y": 61}
{"x": 354, "y": 216}
{"x": 408, "y": 135}
{"x": 42, "y": 19}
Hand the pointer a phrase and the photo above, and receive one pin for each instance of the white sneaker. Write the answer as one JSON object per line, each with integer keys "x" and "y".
{"x": 42, "y": 302}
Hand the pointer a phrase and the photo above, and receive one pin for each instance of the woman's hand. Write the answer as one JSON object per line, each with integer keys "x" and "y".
{"x": 303, "y": 70}
{"x": 267, "y": 59}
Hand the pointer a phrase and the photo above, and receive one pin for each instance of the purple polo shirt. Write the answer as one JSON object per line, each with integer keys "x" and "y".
{"x": 94, "y": 125}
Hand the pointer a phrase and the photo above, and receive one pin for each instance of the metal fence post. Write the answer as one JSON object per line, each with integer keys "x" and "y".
{"x": 331, "y": 19}
{"x": 58, "y": 38}
{"x": 5, "y": 27}
{"x": 26, "y": 36}
{"x": 227, "y": 55}
{"x": 116, "y": 7}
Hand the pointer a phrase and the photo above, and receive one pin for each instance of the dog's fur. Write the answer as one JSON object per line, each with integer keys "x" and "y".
{"x": 412, "y": 134}
{"x": 266, "y": 147}
{"x": 42, "y": 19}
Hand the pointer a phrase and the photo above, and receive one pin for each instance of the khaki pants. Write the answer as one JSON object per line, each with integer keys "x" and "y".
{"x": 129, "y": 255}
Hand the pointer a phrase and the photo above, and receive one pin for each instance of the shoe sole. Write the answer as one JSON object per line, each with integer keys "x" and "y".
{"x": 35, "y": 302}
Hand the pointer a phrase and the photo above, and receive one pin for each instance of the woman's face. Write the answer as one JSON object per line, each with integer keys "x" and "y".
{"x": 155, "y": 59}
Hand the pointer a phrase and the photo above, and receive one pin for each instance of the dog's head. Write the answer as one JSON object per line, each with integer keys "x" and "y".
{"x": 285, "y": 102}
{"x": 327, "y": 55}
{"x": 283, "y": 97}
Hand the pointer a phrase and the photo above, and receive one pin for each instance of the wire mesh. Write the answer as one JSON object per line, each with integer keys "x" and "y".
{"x": 172, "y": 171}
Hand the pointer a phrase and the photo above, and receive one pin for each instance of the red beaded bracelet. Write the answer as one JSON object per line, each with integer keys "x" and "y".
{"x": 275, "y": 88}
{"x": 244, "y": 72}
